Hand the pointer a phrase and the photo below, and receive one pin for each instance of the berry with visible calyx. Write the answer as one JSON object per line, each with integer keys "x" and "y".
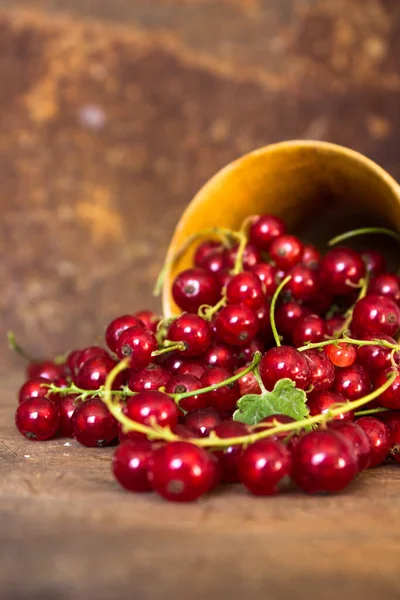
{"x": 245, "y": 288}
{"x": 182, "y": 472}
{"x": 137, "y": 344}
{"x": 37, "y": 419}
{"x": 193, "y": 331}
{"x": 93, "y": 425}
{"x": 376, "y": 358}
{"x": 203, "y": 421}
{"x": 151, "y": 377}
{"x": 352, "y": 382}
{"x": 66, "y": 406}
{"x": 203, "y": 250}
{"x": 93, "y": 373}
{"x": 287, "y": 315}
{"x": 37, "y": 387}
{"x": 282, "y": 362}
{"x": 264, "y": 230}
{"x": 375, "y": 262}
{"x": 115, "y": 328}
{"x": 304, "y": 283}
{"x": 311, "y": 257}
{"x": 220, "y": 355}
{"x": 149, "y": 407}
{"x": 379, "y": 437}
{"x": 222, "y": 399}
{"x": 322, "y": 371}
{"x": 341, "y": 270}
{"x": 375, "y": 315}
{"x": 180, "y": 384}
{"x": 236, "y": 325}
{"x": 130, "y": 465}
{"x": 310, "y": 328}
{"x": 229, "y": 457}
{"x": 263, "y": 466}
{"x": 194, "y": 287}
{"x": 357, "y": 438}
{"x": 286, "y": 251}
{"x": 341, "y": 354}
{"x": 390, "y": 398}
{"x": 322, "y": 402}
{"x": 268, "y": 275}
{"x": 323, "y": 461}
{"x": 386, "y": 284}
{"x": 149, "y": 319}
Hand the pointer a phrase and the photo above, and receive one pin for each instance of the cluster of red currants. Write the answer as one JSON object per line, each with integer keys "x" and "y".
{"x": 170, "y": 402}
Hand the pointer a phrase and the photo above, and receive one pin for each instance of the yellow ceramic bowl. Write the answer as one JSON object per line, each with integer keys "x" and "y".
{"x": 296, "y": 180}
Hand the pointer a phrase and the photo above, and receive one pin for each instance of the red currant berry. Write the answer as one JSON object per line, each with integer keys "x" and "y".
{"x": 220, "y": 355}
{"x": 264, "y": 323}
{"x": 357, "y": 438}
{"x": 379, "y": 437}
{"x": 94, "y": 373}
{"x": 311, "y": 257}
{"x": 130, "y": 465}
{"x": 310, "y": 328}
{"x": 172, "y": 361}
{"x": 224, "y": 398}
{"x": 264, "y": 230}
{"x": 245, "y": 288}
{"x": 147, "y": 407}
{"x": 320, "y": 403}
{"x": 323, "y": 461}
{"x": 93, "y": 425}
{"x": 37, "y": 419}
{"x": 304, "y": 283}
{"x": 202, "y": 422}
{"x": 341, "y": 270}
{"x": 236, "y": 325}
{"x": 248, "y": 384}
{"x": 263, "y": 466}
{"x": 50, "y": 371}
{"x": 375, "y": 262}
{"x": 352, "y": 382}
{"x": 87, "y": 353}
{"x": 376, "y": 358}
{"x": 215, "y": 262}
{"x": 149, "y": 319}
{"x": 180, "y": 384}
{"x": 37, "y": 387}
{"x": 195, "y": 368}
{"x": 195, "y": 287}
{"x": 287, "y": 315}
{"x": 66, "y": 405}
{"x": 286, "y": 251}
{"x": 388, "y": 285}
{"x": 193, "y": 331}
{"x": 375, "y": 315}
{"x": 73, "y": 361}
{"x": 182, "y": 472}
{"x": 229, "y": 457}
{"x": 116, "y": 327}
{"x": 391, "y": 397}
{"x": 268, "y": 275}
{"x": 246, "y": 353}
{"x": 137, "y": 344}
{"x": 203, "y": 250}
{"x": 322, "y": 371}
{"x": 341, "y": 354}
{"x": 151, "y": 377}
{"x": 334, "y": 325}
{"x": 251, "y": 256}
{"x": 184, "y": 432}
{"x": 282, "y": 362}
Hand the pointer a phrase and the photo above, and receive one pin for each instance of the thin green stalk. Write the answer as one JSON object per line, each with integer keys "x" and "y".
{"x": 347, "y": 340}
{"x": 363, "y": 231}
{"x": 13, "y": 344}
{"x": 278, "y": 290}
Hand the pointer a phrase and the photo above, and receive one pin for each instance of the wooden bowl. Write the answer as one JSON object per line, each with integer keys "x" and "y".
{"x": 304, "y": 182}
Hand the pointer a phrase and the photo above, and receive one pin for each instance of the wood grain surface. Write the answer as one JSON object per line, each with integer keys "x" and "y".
{"x": 68, "y": 532}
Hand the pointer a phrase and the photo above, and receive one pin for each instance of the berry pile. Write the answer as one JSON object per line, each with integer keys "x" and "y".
{"x": 217, "y": 394}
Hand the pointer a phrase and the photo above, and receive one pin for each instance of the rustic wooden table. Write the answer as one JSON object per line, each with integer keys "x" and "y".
{"x": 67, "y": 531}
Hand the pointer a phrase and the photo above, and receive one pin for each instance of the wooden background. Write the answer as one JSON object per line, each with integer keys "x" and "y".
{"x": 112, "y": 114}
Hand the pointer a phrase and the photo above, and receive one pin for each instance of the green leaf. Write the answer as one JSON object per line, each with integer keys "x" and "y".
{"x": 285, "y": 399}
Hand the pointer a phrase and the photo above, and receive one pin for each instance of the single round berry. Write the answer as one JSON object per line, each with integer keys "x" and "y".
{"x": 149, "y": 319}
{"x": 94, "y": 373}
{"x": 264, "y": 230}
{"x": 172, "y": 361}
{"x": 151, "y": 377}
{"x": 93, "y": 425}
{"x": 375, "y": 315}
{"x": 391, "y": 397}
{"x": 320, "y": 403}
{"x": 222, "y": 399}
{"x": 376, "y": 358}
{"x": 215, "y": 262}
{"x": 203, "y": 250}
{"x": 323, "y": 461}
{"x": 341, "y": 270}
{"x": 48, "y": 370}
{"x": 195, "y": 287}
{"x": 116, "y": 327}
{"x": 220, "y": 355}
{"x": 130, "y": 465}
{"x": 304, "y": 283}
{"x": 66, "y": 406}
{"x": 263, "y": 466}
{"x": 37, "y": 387}
{"x": 311, "y": 257}
{"x": 357, "y": 438}
{"x": 202, "y": 422}
{"x": 229, "y": 457}
{"x": 195, "y": 368}
{"x": 334, "y": 325}
{"x": 180, "y": 384}
{"x": 251, "y": 256}
{"x": 379, "y": 437}
{"x": 282, "y": 362}
{"x": 137, "y": 344}
{"x": 245, "y": 288}
{"x": 341, "y": 354}
{"x": 248, "y": 384}
{"x": 87, "y": 353}
{"x": 375, "y": 262}
{"x": 236, "y": 325}
{"x": 322, "y": 371}
{"x": 73, "y": 361}
{"x": 310, "y": 328}
{"x": 286, "y": 251}
{"x": 182, "y": 472}
{"x": 37, "y": 419}
{"x": 287, "y": 315}
{"x": 388, "y": 285}
{"x": 149, "y": 407}
{"x": 193, "y": 331}
{"x": 352, "y": 382}
{"x": 268, "y": 275}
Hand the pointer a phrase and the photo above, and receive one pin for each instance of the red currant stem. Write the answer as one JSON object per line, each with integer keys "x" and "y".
{"x": 238, "y": 267}
{"x": 348, "y": 340}
{"x": 13, "y": 344}
{"x": 349, "y": 314}
{"x": 364, "y": 230}
{"x": 392, "y": 359}
{"x": 207, "y": 312}
{"x": 224, "y": 234}
{"x": 169, "y": 347}
{"x": 371, "y": 411}
{"x": 256, "y": 373}
{"x": 278, "y": 290}
{"x": 85, "y": 394}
